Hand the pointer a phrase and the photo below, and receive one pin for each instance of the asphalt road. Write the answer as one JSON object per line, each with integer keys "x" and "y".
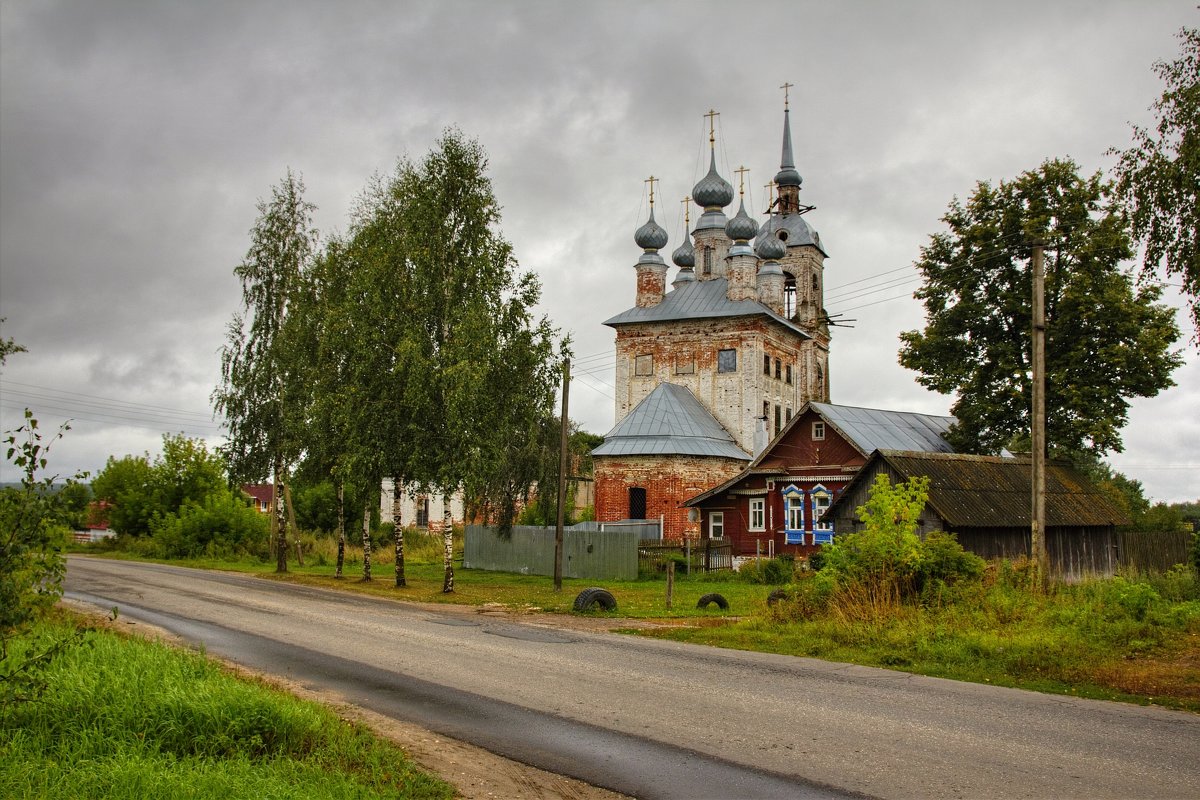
{"x": 659, "y": 719}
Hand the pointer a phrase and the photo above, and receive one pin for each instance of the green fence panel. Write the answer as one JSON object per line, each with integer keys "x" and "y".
{"x": 609, "y": 554}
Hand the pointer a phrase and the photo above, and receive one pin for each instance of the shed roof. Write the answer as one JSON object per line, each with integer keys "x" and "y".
{"x": 670, "y": 421}
{"x": 700, "y": 300}
{"x": 971, "y": 491}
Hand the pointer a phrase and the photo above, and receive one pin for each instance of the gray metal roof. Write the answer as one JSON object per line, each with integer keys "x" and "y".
{"x": 670, "y": 421}
{"x": 799, "y": 232}
{"x": 871, "y": 429}
{"x": 699, "y": 300}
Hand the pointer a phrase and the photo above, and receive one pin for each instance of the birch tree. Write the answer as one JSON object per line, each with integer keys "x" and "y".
{"x": 259, "y": 395}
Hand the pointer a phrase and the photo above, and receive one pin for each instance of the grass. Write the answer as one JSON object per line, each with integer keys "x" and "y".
{"x": 122, "y": 717}
{"x": 1135, "y": 638}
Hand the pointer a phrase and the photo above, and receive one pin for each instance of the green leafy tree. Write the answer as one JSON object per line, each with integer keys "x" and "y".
{"x": 1158, "y": 177}
{"x": 263, "y": 394}
{"x": 8, "y": 347}
{"x": 125, "y": 486}
{"x": 1106, "y": 341}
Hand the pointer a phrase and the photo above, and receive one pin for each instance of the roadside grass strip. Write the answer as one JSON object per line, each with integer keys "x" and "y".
{"x": 127, "y": 718}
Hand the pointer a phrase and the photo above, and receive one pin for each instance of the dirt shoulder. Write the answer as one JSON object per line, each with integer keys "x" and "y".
{"x": 476, "y": 773}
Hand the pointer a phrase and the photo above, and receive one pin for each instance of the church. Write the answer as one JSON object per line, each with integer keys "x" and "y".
{"x": 713, "y": 369}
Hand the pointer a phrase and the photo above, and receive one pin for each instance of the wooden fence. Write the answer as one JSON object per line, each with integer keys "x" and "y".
{"x": 1155, "y": 551}
{"x": 707, "y": 555}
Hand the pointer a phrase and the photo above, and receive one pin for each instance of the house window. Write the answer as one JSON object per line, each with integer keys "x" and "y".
{"x": 778, "y": 420}
{"x": 818, "y": 431}
{"x": 264, "y": 506}
{"x": 685, "y": 365}
{"x": 822, "y": 528}
{"x": 637, "y": 502}
{"x": 788, "y": 374}
{"x": 766, "y": 365}
{"x": 716, "y": 525}
{"x": 758, "y": 514}
{"x": 643, "y": 365}
{"x": 777, "y": 371}
{"x": 727, "y": 360}
{"x": 793, "y": 506}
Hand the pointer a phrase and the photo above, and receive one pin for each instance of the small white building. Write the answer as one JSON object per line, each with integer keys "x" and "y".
{"x": 421, "y": 510}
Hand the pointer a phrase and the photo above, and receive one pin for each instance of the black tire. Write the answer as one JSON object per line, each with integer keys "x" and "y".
{"x": 777, "y": 595}
{"x": 721, "y": 602}
{"x": 590, "y": 598}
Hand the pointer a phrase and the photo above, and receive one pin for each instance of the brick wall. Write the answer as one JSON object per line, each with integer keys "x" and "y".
{"x": 668, "y": 481}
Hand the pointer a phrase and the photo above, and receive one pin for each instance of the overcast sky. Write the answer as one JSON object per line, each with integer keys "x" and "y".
{"x": 136, "y": 139}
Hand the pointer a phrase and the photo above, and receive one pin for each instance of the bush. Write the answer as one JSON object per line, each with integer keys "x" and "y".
{"x": 770, "y": 571}
{"x": 223, "y": 525}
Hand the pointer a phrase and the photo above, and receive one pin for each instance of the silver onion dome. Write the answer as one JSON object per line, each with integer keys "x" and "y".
{"x": 651, "y": 236}
{"x": 770, "y": 248}
{"x": 741, "y": 228}
{"x": 712, "y": 191}
{"x": 685, "y": 254}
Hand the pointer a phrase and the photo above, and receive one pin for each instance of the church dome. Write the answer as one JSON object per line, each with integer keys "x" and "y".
{"x": 651, "y": 236}
{"x": 741, "y": 228}
{"x": 685, "y": 254}
{"x": 770, "y": 248}
{"x": 713, "y": 191}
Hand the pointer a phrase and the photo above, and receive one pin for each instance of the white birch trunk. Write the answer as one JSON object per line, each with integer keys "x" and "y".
{"x": 366, "y": 534}
{"x": 398, "y": 529}
{"x": 447, "y": 544}
{"x": 341, "y": 553}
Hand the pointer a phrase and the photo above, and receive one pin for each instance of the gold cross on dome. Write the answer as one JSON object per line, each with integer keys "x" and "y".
{"x": 741, "y": 173}
{"x": 651, "y": 180}
{"x": 712, "y": 119}
{"x": 687, "y": 209}
{"x": 785, "y": 88}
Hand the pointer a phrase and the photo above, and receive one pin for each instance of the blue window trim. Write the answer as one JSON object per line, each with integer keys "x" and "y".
{"x": 792, "y": 494}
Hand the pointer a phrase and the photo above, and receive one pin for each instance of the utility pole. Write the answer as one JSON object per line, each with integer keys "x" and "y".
{"x": 562, "y": 478}
{"x": 1038, "y": 420}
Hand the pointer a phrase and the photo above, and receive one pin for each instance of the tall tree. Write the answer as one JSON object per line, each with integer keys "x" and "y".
{"x": 260, "y": 395}
{"x": 1158, "y": 177}
{"x": 1106, "y": 341}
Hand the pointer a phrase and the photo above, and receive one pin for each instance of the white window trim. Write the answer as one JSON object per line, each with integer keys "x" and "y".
{"x": 758, "y": 514}
{"x": 818, "y": 431}
{"x": 716, "y": 521}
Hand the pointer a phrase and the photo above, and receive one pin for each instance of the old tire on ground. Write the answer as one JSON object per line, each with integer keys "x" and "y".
{"x": 595, "y": 596}
{"x": 777, "y": 595}
{"x": 721, "y": 602}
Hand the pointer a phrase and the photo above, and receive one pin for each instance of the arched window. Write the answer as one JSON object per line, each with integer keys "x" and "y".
{"x": 789, "y": 295}
{"x": 793, "y": 515}
{"x": 822, "y": 528}
{"x": 708, "y": 259}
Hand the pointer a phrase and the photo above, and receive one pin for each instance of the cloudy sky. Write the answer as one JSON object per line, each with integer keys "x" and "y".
{"x": 136, "y": 139}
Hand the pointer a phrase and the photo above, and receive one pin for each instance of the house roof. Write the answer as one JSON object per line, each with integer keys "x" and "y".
{"x": 871, "y": 429}
{"x": 670, "y": 421}
{"x": 866, "y": 429}
{"x": 262, "y": 492}
{"x": 699, "y": 300}
{"x": 971, "y": 491}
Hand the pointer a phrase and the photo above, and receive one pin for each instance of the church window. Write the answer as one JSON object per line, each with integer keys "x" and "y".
{"x": 766, "y": 409}
{"x": 788, "y": 416}
{"x": 727, "y": 360}
{"x": 643, "y": 365}
{"x": 685, "y": 365}
{"x": 766, "y": 365}
{"x": 789, "y": 295}
{"x": 777, "y": 369}
{"x": 637, "y": 502}
{"x": 778, "y": 420}
{"x": 816, "y": 283}
{"x": 758, "y": 514}
{"x": 788, "y": 374}
{"x": 708, "y": 259}
{"x": 818, "y": 431}
{"x": 422, "y": 503}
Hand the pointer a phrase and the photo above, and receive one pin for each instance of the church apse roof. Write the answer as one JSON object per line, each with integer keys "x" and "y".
{"x": 670, "y": 421}
{"x": 699, "y": 300}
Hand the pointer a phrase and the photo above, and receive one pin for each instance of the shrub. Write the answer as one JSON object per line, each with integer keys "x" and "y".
{"x": 223, "y": 525}
{"x": 769, "y": 571}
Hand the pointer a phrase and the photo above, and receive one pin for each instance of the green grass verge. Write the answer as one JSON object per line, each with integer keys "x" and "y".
{"x": 123, "y": 717}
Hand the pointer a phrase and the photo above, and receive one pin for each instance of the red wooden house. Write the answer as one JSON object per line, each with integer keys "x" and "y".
{"x": 775, "y": 504}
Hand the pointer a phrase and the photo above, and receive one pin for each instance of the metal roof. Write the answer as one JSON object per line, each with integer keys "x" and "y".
{"x": 871, "y": 429}
{"x": 699, "y": 300}
{"x": 670, "y": 421}
{"x": 994, "y": 491}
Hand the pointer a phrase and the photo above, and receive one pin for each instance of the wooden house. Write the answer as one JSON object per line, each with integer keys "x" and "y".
{"x": 776, "y": 504}
{"x": 986, "y": 501}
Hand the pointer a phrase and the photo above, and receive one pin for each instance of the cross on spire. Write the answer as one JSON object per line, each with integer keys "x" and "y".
{"x": 651, "y": 180}
{"x": 785, "y": 88}
{"x": 741, "y": 173}
{"x": 712, "y": 118}
{"x": 770, "y": 187}
{"x": 687, "y": 210}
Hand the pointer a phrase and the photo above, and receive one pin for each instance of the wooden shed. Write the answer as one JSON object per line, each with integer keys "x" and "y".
{"x": 986, "y": 502}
